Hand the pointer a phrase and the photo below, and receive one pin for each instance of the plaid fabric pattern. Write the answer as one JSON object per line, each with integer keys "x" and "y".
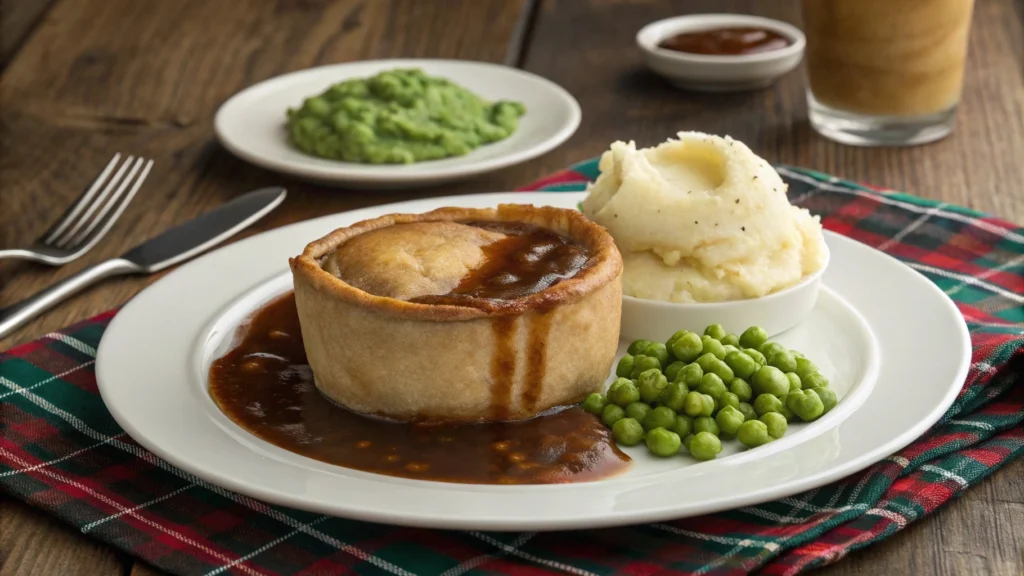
{"x": 61, "y": 451}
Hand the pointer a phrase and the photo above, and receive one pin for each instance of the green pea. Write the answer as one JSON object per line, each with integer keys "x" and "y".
{"x": 756, "y": 356}
{"x": 687, "y": 347}
{"x": 705, "y": 424}
{"x": 785, "y": 411}
{"x": 797, "y": 354}
{"x": 687, "y": 440}
{"x": 794, "y": 381}
{"x": 672, "y": 370}
{"x": 776, "y": 424}
{"x": 674, "y": 396}
{"x": 711, "y": 385}
{"x": 623, "y": 392}
{"x": 612, "y": 414}
{"x": 716, "y": 331}
{"x": 722, "y": 370}
{"x": 637, "y": 411}
{"x": 627, "y": 431}
{"x": 729, "y": 399}
{"x": 698, "y": 404}
{"x": 729, "y": 420}
{"x": 729, "y": 348}
{"x": 753, "y": 433}
{"x": 769, "y": 348}
{"x": 712, "y": 346}
{"x": 814, "y": 380}
{"x": 828, "y": 398}
{"x": 657, "y": 350}
{"x": 705, "y": 361}
{"x": 748, "y": 411}
{"x": 741, "y": 389}
{"x": 651, "y": 383}
{"x": 683, "y": 425}
{"x": 766, "y": 403}
{"x": 679, "y": 334}
{"x": 730, "y": 340}
{"x": 783, "y": 361}
{"x": 642, "y": 364}
{"x": 742, "y": 365}
{"x": 595, "y": 403}
{"x": 625, "y": 366}
{"x": 753, "y": 337}
{"x": 705, "y": 446}
{"x": 662, "y": 442}
{"x": 805, "y": 404}
{"x": 804, "y": 367}
{"x": 637, "y": 347}
{"x": 690, "y": 375}
{"x": 770, "y": 380}
{"x": 660, "y": 417}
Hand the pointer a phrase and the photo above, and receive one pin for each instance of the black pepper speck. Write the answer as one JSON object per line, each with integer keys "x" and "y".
{"x": 744, "y": 228}
{"x": 737, "y": 200}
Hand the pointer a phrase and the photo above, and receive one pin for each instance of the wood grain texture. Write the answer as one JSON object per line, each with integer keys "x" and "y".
{"x": 33, "y": 543}
{"x": 17, "y": 20}
{"x": 91, "y": 77}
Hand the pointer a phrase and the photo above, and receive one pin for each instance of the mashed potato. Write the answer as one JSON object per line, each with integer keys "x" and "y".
{"x": 702, "y": 219}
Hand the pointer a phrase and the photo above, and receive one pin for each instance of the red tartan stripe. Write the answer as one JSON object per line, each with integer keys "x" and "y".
{"x": 564, "y": 177}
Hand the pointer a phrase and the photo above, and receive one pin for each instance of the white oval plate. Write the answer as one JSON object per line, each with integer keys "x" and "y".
{"x": 251, "y": 124}
{"x": 873, "y": 314}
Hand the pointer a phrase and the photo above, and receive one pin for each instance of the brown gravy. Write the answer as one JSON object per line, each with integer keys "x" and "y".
{"x": 726, "y": 41}
{"x": 265, "y": 386}
{"x": 528, "y": 260}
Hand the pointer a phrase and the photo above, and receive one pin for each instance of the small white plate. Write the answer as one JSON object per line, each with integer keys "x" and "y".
{"x": 251, "y": 124}
{"x": 872, "y": 318}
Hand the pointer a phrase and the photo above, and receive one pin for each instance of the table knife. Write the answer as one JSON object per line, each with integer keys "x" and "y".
{"x": 174, "y": 246}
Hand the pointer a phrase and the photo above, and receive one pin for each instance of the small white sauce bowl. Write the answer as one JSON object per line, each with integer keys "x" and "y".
{"x": 776, "y": 312}
{"x": 714, "y": 73}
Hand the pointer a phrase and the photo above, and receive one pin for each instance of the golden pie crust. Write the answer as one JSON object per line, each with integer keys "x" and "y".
{"x": 492, "y": 361}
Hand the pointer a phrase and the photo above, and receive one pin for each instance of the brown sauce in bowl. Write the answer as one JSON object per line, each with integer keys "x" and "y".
{"x": 265, "y": 385}
{"x": 726, "y": 41}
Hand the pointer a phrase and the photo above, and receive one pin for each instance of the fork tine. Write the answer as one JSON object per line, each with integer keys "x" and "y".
{"x": 63, "y": 240}
{"x": 102, "y": 222}
{"x": 83, "y": 199}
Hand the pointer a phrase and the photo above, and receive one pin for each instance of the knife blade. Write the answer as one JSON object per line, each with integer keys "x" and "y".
{"x": 206, "y": 231}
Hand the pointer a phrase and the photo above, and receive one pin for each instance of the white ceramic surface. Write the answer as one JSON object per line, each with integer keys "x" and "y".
{"x": 251, "y": 124}
{"x": 154, "y": 356}
{"x": 776, "y": 313}
{"x": 714, "y": 73}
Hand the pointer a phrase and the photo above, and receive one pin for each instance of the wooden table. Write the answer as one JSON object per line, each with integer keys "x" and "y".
{"x": 85, "y": 78}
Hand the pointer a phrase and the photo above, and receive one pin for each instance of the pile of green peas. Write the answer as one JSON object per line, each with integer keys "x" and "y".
{"x": 694, "y": 390}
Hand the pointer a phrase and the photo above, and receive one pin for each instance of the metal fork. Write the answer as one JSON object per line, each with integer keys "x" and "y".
{"x": 89, "y": 219}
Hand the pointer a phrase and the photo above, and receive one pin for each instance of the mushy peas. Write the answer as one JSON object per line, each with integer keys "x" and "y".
{"x": 399, "y": 117}
{"x": 702, "y": 219}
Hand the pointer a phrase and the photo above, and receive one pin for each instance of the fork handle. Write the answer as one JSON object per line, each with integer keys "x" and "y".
{"x": 19, "y": 254}
{"x": 16, "y": 315}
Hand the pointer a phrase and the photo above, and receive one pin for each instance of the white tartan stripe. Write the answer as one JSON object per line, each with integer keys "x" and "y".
{"x": 67, "y": 456}
{"x": 15, "y": 389}
{"x": 113, "y": 504}
{"x": 912, "y": 226}
{"x": 478, "y": 560}
{"x": 262, "y": 549}
{"x": 967, "y": 280}
{"x": 517, "y": 552}
{"x": 969, "y": 220}
{"x": 73, "y": 342}
{"x": 254, "y": 505}
{"x": 142, "y": 506}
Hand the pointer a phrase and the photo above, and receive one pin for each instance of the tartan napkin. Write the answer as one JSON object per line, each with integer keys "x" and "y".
{"x": 61, "y": 451}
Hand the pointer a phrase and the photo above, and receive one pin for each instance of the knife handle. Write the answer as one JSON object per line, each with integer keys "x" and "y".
{"x": 16, "y": 315}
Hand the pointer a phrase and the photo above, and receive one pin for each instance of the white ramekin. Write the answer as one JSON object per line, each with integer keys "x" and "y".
{"x": 776, "y": 312}
{"x": 713, "y": 73}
